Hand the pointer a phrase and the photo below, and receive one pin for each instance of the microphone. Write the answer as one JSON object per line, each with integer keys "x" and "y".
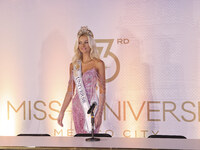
{"x": 92, "y": 108}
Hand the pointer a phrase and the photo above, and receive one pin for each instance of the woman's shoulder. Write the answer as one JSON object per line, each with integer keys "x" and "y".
{"x": 75, "y": 63}
{"x": 71, "y": 66}
{"x": 99, "y": 62}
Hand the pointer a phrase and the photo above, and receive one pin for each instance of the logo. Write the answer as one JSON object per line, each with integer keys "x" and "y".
{"x": 105, "y": 52}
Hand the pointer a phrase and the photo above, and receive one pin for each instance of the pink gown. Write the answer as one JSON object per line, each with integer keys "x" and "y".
{"x": 90, "y": 79}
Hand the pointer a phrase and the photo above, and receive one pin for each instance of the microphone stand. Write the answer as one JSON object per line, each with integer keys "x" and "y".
{"x": 92, "y": 138}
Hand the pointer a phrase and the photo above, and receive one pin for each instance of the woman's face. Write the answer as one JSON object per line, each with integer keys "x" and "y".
{"x": 83, "y": 44}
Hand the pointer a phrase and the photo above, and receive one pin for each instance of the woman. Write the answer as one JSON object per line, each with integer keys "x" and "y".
{"x": 86, "y": 71}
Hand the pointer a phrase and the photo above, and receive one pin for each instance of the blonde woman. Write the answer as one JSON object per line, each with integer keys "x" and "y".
{"x": 86, "y": 72}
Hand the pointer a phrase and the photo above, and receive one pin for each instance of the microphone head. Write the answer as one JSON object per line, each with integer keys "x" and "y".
{"x": 94, "y": 103}
{"x": 91, "y": 107}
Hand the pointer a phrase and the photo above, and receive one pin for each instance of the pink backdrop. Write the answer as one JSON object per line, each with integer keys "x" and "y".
{"x": 151, "y": 52}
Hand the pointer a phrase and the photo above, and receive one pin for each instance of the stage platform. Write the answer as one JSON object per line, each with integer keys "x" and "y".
{"x": 79, "y": 143}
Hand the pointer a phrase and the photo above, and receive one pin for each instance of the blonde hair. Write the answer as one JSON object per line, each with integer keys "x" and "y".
{"x": 84, "y": 31}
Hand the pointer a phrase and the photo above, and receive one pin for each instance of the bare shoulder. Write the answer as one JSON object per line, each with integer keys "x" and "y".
{"x": 71, "y": 66}
{"x": 99, "y": 63}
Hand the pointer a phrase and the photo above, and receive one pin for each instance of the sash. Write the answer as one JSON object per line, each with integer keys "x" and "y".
{"x": 82, "y": 96}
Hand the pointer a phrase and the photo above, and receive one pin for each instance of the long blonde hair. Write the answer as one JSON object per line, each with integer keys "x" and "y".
{"x": 84, "y": 31}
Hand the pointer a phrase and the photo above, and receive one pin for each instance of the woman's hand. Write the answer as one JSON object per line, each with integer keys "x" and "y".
{"x": 98, "y": 120}
{"x": 60, "y": 119}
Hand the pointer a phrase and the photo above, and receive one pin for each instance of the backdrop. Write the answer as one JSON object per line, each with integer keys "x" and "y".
{"x": 150, "y": 49}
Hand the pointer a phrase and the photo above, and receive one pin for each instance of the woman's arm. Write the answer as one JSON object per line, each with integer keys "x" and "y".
{"x": 68, "y": 96}
{"x": 102, "y": 92}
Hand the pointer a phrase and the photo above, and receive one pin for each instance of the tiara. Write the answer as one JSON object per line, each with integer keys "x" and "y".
{"x": 85, "y": 30}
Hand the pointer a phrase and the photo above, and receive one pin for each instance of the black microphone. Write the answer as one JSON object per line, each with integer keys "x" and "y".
{"x": 91, "y": 108}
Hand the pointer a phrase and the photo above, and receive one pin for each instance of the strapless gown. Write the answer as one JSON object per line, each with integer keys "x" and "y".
{"x": 90, "y": 79}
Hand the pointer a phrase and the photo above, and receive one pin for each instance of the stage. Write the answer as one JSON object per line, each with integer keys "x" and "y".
{"x": 54, "y": 143}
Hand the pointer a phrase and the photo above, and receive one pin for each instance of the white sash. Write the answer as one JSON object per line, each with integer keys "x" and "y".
{"x": 82, "y": 96}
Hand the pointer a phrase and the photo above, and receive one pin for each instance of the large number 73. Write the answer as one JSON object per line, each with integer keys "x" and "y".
{"x": 105, "y": 53}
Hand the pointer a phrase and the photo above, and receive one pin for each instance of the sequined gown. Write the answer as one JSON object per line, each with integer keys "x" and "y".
{"x": 90, "y": 79}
